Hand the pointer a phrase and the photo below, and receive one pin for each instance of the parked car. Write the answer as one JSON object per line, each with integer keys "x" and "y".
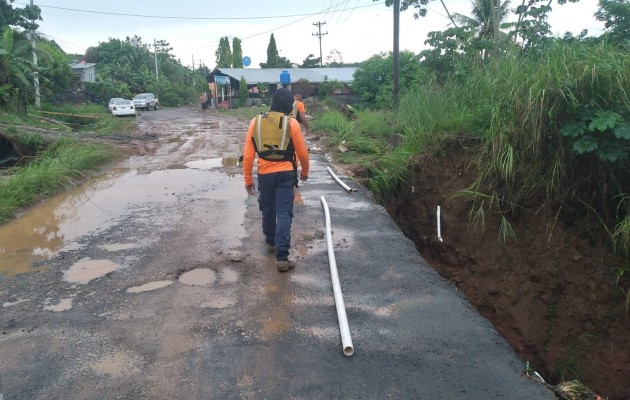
{"x": 123, "y": 107}
{"x": 146, "y": 101}
{"x": 111, "y": 102}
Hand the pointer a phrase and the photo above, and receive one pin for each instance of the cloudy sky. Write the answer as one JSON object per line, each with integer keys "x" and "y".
{"x": 356, "y": 29}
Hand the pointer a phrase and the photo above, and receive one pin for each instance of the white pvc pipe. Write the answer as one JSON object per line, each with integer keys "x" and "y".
{"x": 339, "y": 181}
{"x": 344, "y": 329}
{"x": 439, "y": 228}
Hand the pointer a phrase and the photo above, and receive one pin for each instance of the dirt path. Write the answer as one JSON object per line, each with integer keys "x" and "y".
{"x": 153, "y": 283}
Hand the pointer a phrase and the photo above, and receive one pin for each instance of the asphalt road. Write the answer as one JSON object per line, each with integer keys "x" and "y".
{"x": 153, "y": 282}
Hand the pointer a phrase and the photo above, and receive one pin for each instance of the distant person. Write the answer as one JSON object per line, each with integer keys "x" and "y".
{"x": 299, "y": 110}
{"x": 276, "y": 138}
{"x": 203, "y": 99}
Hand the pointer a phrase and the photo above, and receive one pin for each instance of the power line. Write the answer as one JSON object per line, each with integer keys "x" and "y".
{"x": 188, "y": 18}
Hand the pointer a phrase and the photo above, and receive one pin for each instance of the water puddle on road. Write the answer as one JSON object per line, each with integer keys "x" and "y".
{"x": 147, "y": 287}
{"x": 198, "y": 277}
{"x": 229, "y": 275}
{"x": 212, "y": 163}
{"x": 120, "y": 246}
{"x": 56, "y": 225}
{"x": 85, "y": 270}
{"x": 63, "y": 305}
{"x": 219, "y": 302}
{"x": 117, "y": 364}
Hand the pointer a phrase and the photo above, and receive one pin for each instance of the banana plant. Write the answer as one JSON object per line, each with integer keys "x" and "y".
{"x": 15, "y": 69}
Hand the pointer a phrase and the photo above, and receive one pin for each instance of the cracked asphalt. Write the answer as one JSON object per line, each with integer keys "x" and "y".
{"x": 152, "y": 282}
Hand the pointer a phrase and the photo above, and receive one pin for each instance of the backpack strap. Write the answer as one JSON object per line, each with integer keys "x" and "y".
{"x": 266, "y": 150}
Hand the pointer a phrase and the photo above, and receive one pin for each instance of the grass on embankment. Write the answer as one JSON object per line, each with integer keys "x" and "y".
{"x": 515, "y": 113}
{"x": 55, "y": 162}
{"x": 58, "y": 167}
{"x": 91, "y": 118}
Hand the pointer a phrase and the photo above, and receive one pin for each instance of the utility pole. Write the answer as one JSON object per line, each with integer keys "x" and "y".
{"x": 38, "y": 103}
{"x": 396, "y": 54}
{"x": 319, "y": 34}
{"x": 155, "y": 55}
{"x": 193, "y": 77}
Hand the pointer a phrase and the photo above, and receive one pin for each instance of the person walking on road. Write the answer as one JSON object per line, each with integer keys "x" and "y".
{"x": 299, "y": 110}
{"x": 203, "y": 100}
{"x": 277, "y": 139}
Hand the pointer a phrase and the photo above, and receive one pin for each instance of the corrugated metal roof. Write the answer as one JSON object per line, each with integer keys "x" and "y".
{"x": 272, "y": 75}
{"x": 82, "y": 65}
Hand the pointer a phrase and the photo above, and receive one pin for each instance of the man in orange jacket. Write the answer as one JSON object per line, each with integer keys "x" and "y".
{"x": 300, "y": 110}
{"x": 277, "y": 172}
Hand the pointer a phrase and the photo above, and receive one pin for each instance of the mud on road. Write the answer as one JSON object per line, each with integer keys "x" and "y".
{"x": 153, "y": 282}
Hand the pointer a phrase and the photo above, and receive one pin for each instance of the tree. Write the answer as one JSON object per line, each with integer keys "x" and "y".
{"x": 615, "y": 14}
{"x": 419, "y": 5}
{"x": 237, "y": 53}
{"x": 223, "y": 53}
{"x": 243, "y": 92}
{"x": 136, "y": 57}
{"x": 15, "y": 70}
{"x": 163, "y": 47}
{"x": 310, "y": 62}
{"x": 531, "y": 26}
{"x": 55, "y": 75}
{"x": 334, "y": 59}
{"x": 273, "y": 58}
{"x": 373, "y": 82}
{"x": 19, "y": 17}
{"x": 482, "y": 19}
{"x": 448, "y": 50}
{"x": 272, "y": 53}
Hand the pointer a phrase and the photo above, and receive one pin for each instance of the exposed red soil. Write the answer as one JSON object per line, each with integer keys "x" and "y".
{"x": 551, "y": 292}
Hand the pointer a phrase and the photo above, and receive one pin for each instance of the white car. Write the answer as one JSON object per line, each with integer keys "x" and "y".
{"x": 112, "y": 101}
{"x": 122, "y": 108}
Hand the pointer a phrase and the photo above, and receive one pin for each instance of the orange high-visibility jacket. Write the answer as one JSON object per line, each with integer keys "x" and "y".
{"x": 267, "y": 167}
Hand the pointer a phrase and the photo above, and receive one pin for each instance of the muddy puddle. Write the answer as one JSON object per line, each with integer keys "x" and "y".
{"x": 57, "y": 224}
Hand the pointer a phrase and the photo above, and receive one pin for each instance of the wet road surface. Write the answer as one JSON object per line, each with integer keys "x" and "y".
{"x": 153, "y": 282}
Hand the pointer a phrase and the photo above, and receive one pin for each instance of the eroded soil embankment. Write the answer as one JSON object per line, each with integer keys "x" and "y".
{"x": 551, "y": 291}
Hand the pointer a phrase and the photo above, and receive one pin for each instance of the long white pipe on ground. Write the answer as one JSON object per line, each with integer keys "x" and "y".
{"x": 339, "y": 181}
{"x": 439, "y": 226}
{"x": 344, "y": 329}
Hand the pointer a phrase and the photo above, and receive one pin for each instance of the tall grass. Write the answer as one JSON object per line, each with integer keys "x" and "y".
{"x": 511, "y": 111}
{"x": 513, "y": 108}
{"x": 65, "y": 161}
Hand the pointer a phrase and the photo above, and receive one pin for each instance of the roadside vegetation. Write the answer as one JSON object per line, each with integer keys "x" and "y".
{"x": 57, "y": 167}
{"x": 539, "y": 116}
{"x": 554, "y": 119}
{"x": 52, "y": 156}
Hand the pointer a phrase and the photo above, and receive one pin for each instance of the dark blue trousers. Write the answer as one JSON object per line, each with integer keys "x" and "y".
{"x": 275, "y": 200}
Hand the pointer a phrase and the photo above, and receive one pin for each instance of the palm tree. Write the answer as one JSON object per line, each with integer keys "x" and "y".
{"x": 482, "y": 19}
{"x": 15, "y": 69}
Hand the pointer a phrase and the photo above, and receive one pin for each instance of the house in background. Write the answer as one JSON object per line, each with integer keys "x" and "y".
{"x": 84, "y": 72}
{"x": 307, "y": 79}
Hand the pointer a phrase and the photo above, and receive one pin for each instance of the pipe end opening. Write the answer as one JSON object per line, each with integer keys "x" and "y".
{"x": 348, "y": 350}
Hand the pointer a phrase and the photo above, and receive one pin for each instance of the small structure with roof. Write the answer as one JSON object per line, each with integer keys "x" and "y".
{"x": 307, "y": 79}
{"x": 84, "y": 72}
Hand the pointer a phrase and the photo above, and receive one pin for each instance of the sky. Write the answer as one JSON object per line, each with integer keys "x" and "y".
{"x": 354, "y": 29}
